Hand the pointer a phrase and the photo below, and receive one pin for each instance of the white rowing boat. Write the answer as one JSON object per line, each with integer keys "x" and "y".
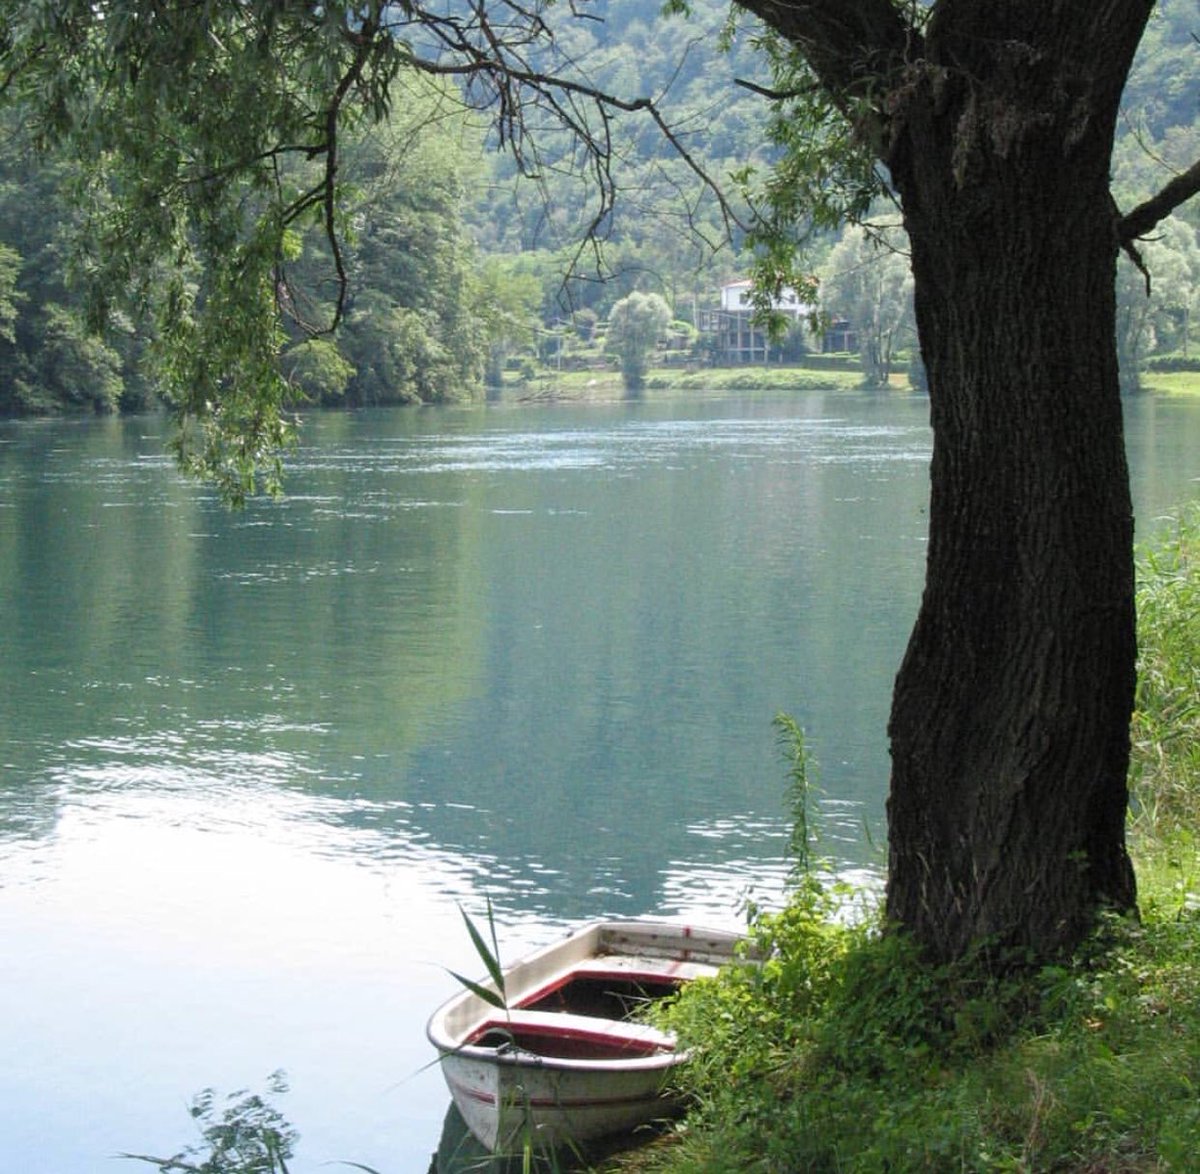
{"x": 566, "y": 1061}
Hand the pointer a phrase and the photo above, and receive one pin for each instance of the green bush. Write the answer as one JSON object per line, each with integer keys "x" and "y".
{"x": 845, "y": 1053}
{"x": 243, "y": 1134}
{"x": 1168, "y": 363}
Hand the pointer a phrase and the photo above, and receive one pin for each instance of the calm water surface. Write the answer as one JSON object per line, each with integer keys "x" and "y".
{"x": 250, "y": 764}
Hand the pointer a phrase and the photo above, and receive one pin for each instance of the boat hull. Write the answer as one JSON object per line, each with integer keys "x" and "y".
{"x": 506, "y": 1106}
{"x": 564, "y": 1063}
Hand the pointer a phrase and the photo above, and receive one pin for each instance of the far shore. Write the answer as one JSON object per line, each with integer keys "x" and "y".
{"x": 607, "y": 384}
{"x": 1172, "y": 382}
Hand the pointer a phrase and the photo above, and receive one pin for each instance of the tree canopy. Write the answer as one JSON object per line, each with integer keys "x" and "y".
{"x": 634, "y": 327}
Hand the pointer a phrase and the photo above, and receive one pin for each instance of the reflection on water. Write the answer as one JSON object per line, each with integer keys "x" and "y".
{"x": 250, "y": 764}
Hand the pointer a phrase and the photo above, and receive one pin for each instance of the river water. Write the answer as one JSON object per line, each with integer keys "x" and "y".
{"x": 253, "y": 764}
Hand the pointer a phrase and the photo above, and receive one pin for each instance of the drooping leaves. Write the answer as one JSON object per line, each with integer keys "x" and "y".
{"x": 206, "y": 135}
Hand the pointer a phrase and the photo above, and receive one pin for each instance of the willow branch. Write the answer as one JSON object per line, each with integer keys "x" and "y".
{"x": 348, "y": 80}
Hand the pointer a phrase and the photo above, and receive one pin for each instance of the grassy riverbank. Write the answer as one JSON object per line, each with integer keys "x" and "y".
{"x": 835, "y": 373}
{"x": 842, "y": 1054}
{"x": 846, "y": 1056}
{"x": 840, "y": 374}
{"x": 1172, "y": 382}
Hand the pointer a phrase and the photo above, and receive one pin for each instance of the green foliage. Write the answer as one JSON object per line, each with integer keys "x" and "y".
{"x": 417, "y": 321}
{"x": 243, "y": 1134}
{"x": 181, "y": 122}
{"x": 318, "y": 369}
{"x": 1153, "y": 313}
{"x": 10, "y": 296}
{"x": 848, "y": 1053}
{"x": 1163, "y": 89}
{"x": 1165, "y": 767}
{"x": 748, "y": 1028}
{"x": 208, "y": 312}
{"x": 866, "y": 280}
{"x": 752, "y": 379}
{"x": 488, "y": 951}
{"x": 635, "y": 325}
{"x": 1172, "y": 363}
{"x": 73, "y": 366}
{"x": 822, "y": 175}
{"x": 50, "y": 361}
{"x": 790, "y": 739}
{"x": 219, "y": 371}
{"x": 509, "y": 296}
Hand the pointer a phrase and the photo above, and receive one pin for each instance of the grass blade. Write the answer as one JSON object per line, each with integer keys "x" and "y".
{"x": 485, "y": 993}
{"x": 490, "y": 957}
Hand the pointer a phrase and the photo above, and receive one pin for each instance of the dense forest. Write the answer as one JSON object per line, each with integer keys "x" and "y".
{"x": 464, "y": 273}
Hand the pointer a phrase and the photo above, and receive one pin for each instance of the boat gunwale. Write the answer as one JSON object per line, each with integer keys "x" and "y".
{"x": 628, "y": 939}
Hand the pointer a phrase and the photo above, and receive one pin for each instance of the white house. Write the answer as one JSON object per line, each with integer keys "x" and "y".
{"x": 735, "y": 297}
{"x": 739, "y": 340}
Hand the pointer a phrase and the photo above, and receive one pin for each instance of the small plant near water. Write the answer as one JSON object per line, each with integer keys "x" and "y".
{"x": 243, "y": 1134}
{"x": 489, "y": 955}
{"x": 790, "y": 739}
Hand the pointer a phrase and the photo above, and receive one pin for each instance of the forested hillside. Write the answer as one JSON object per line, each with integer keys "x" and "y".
{"x": 459, "y": 269}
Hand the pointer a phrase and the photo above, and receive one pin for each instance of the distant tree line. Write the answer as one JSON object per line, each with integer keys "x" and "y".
{"x": 459, "y": 277}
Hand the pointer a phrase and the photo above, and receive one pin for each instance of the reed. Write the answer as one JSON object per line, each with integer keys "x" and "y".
{"x": 489, "y": 955}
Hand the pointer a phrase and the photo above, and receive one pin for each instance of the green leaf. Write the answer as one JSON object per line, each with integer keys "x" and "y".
{"x": 485, "y": 993}
{"x": 490, "y": 956}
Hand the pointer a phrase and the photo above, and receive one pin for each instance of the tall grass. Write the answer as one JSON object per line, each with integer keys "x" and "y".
{"x": 1165, "y": 768}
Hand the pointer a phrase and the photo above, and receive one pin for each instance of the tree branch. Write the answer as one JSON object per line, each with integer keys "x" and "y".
{"x": 1145, "y": 216}
{"x": 345, "y": 84}
{"x": 772, "y": 95}
{"x": 511, "y": 85}
{"x": 847, "y": 43}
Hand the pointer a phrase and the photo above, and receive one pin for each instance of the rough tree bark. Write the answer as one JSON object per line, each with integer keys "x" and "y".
{"x": 1011, "y": 712}
{"x": 1010, "y": 717}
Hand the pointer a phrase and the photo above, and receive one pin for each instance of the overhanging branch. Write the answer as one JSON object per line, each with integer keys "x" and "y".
{"x": 1145, "y": 216}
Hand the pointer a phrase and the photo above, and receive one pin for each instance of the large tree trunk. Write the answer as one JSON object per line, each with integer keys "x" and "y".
{"x": 1009, "y": 727}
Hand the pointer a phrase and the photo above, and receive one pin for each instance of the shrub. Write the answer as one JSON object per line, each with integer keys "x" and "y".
{"x": 1167, "y": 363}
